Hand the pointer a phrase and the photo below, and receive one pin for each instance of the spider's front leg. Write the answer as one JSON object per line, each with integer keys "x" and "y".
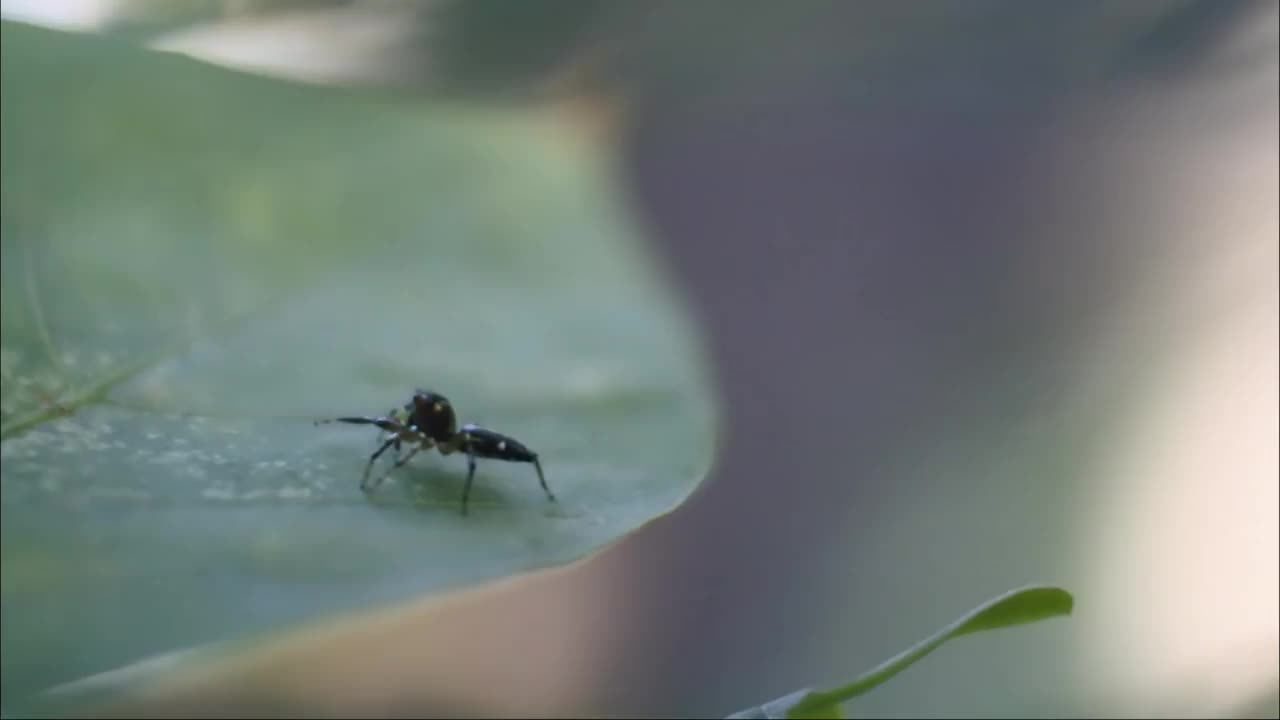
{"x": 410, "y": 435}
{"x": 399, "y": 433}
{"x": 382, "y": 433}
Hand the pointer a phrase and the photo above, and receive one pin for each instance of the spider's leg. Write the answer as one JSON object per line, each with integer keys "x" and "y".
{"x": 402, "y": 460}
{"x": 364, "y": 480}
{"x": 471, "y": 473}
{"x": 382, "y": 434}
{"x": 538, "y": 466}
{"x": 383, "y": 423}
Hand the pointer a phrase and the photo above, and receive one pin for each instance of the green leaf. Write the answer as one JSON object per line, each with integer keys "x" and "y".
{"x": 778, "y": 708}
{"x": 198, "y": 263}
{"x": 1016, "y": 607}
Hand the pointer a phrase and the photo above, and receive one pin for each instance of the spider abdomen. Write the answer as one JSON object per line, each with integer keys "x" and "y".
{"x": 489, "y": 444}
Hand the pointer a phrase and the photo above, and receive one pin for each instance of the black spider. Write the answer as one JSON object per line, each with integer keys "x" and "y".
{"x": 428, "y": 421}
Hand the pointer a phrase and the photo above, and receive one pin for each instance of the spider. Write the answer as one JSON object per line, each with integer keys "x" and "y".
{"x": 428, "y": 421}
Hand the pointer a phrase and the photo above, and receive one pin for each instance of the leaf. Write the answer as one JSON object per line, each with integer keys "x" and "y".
{"x": 1016, "y": 607}
{"x": 777, "y": 708}
{"x": 198, "y": 263}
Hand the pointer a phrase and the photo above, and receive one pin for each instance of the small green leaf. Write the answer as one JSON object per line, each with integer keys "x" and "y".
{"x": 198, "y": 263}
{"x": 1013, "y": 608}
{"x": 829, "y": 711}
{"x": 775, "y": 709}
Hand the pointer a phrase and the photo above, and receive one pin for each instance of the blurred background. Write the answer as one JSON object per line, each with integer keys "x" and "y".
{"x": 991, "y": 291}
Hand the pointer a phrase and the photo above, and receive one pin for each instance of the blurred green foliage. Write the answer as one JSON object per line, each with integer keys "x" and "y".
{"x": 1016, "y": 607}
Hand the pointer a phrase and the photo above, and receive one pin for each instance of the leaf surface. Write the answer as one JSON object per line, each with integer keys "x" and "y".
{"x": 197, "y": 264}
